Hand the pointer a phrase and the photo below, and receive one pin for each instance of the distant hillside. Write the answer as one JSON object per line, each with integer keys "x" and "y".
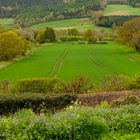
{"x": 10, "y": 8}
{"x": 15, "y": 3}
{"x": 135, "y": 3}
{"x": 28, "y": 12}
{"x": 121, "y": 10}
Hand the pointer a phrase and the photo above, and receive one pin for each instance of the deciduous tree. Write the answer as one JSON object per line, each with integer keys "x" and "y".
{"x": 129, "y": 33}
{"x": 11, "y": 45}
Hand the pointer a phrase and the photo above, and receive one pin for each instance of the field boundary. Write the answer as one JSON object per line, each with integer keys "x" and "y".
{"x": 93, "y": 99}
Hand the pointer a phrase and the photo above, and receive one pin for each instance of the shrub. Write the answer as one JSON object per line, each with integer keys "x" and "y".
{"x": 118, "y": 83}
{"x": 46, "y": 36}
{"x": 113, "y": 83}
{"x": 49, "y": 35}
{"x": 127, "y": 122}
{"x": 68, "y": 125}
{"x": 36, "y": 102}
{"x": 134, "y": 83}
{"x": 128, "y": 100}
{"x": 111, "y": 136}
{"x": 73, "y": 32}
{"x": 71, "y": 38}
{"x": 109, "y": 97}
{"x": 27, "y": 33}
{"x": 74, "y": 123}
{"x": 40, "y": 37}
{"x": 93, "y": 36}
{"x": 5, "y": 86}
{"x": 38, "y": 85}
{"x": 78, "y": 85}
{"x": 60, "y": 34}
{"x": 60, "y": 126}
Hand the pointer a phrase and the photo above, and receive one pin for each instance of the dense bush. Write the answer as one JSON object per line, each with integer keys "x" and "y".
{"x": 5, "y": 86}
{"x": 135, "y": 83}
{"x": 113, "y": 83}
{"x": 78, "y": 85}
{"x": 73, "y": 32}
{"x": 49, "y": 35}
{"x": 90, "y": 36}
{"x": 27, "y": 33}
{"x": 110, "y": 21}
{"x": 46, "y": 36}
{"x": 114, "y": 136}
{"x": 109, "y": 36}
{"x": 11, "y": 45}
{"x": 37, "y": 102}
{"x": 118, "y": 83}
{"x": 128, "y": 100}
{"x": 71, "y": 38}
{"x": 93, "y": 36}
{"x": 75, "y": 123}
{"x": 116, "y": 97}
{"x": 40, "y": 37}
{"x": 38, "y": 85}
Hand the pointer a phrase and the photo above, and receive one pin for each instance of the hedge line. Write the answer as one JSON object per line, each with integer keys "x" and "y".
{"x": 37, "y": 102}
{"x": 38, "y": 85}
{"x": 109, "y": 21}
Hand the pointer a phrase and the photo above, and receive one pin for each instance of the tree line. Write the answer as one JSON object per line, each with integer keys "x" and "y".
{"x": 28, "y": 12}
{"x": 133, "y": 3}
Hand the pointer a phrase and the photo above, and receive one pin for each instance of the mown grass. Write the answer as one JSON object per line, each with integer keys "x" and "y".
{"x": 71, "y": 59}
{"x": 7, "y": 23}
{"x": 121, "y": 10}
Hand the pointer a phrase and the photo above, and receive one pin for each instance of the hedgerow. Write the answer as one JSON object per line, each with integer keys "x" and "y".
{"x": 38, "y": 85}
{"x": 35, "y": 101}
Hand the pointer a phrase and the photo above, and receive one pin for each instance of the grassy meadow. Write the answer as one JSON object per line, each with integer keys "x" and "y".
{"x": 78, "y": 23}
{"x": 67, "y": 60}
{"x": 7, "y": 23}
{"x": 121, "y": 10}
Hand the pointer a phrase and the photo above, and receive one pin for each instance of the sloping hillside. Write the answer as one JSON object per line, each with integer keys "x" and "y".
{"x": 12, "y": 8}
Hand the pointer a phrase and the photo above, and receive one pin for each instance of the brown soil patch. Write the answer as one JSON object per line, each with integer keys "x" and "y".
{"x": 98, "y": 98}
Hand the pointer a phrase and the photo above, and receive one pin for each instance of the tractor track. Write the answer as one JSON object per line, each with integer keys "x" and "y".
{"x": 97, "y": 62}
{"x": 58, "y": 63}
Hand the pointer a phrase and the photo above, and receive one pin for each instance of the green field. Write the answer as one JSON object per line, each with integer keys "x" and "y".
{"x": 70, "y": 59}
{"x": 78, "y": 23}
{"x": 7, "y": 23}
{"x": 121, "y": 10}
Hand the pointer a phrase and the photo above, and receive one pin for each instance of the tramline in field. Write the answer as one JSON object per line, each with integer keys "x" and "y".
{"x": 67, "y": 60}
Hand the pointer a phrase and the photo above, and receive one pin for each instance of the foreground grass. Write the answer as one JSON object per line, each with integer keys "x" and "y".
{"x": 67, "y": 60}
{"x": 74, "y": 123}
{"x": 121, "y": 10}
